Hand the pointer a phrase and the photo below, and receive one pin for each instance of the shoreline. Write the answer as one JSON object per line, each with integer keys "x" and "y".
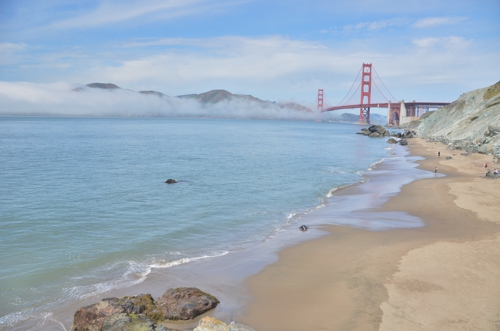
{"x": 292, "y": 276}
{"x": 399, "y": 279}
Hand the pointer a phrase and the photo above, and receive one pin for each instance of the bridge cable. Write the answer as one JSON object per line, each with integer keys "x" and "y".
{"x": 384, "y": 85}
{"x": 380, "y": 91}
{"x": 355, "y": 80}
{"x": 354, "y": 94}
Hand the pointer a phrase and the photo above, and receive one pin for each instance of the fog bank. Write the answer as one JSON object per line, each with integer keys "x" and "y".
{"x": 64, "y": 99}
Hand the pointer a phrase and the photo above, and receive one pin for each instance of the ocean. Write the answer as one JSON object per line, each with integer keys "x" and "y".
{"x": 85, "y": 211}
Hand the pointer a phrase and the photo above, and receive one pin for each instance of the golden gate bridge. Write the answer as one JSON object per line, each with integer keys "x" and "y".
{"x": 398, "y": 112}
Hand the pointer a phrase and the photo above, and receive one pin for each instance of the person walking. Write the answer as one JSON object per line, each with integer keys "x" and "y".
{"x": 439, "y": 154}
{"x": 435, "y": 171}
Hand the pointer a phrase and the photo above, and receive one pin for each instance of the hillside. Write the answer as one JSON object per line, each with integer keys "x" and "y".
{"x": 471, "y": 123}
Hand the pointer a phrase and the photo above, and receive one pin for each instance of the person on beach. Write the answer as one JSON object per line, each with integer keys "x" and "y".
{"x": 435, "y": 171}
{"x": 495, "y": 171}
{"x": 439, "y": 154}
{"x": 486, "y": 165}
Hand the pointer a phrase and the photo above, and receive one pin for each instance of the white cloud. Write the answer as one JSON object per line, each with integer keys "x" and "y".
{"x": 376, "y": 25}
{"x": 436, "y": 21}
{"x": 118, "y": 11}
{"x": 445, "y": 42}
{"x": 9, "y": 52}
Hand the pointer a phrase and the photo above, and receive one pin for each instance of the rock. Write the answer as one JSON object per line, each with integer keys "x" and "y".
{"x": 403, "y": 142}
{"x": 449, "y": 158}
{"x": 118, "y": 314}
{"x": 392, "y": 141}
{"x": 374, "y": 131}
{"x": 382, "y": 132}
{"x": 212, "y": 324}
{"x": 303, "y": 228}
{"x": 171, "y": 181}
{"x": 409, "y": 134}
{"x": 91, "y": 318}
{"x": 185, "y": 303}
{"x": 129, "y": 322}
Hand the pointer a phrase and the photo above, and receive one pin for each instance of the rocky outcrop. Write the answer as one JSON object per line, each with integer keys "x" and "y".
{"x": 406, "y": 134}
{"x": 392, "y": 141}
{"x": 212, "y": 324}
{"x": 142, "y": 312}
{"x": 403, "y": 142}
{"x": 471, "y": 123}
{"x": 374, "y": 131}
{"x": 185, "y": 303}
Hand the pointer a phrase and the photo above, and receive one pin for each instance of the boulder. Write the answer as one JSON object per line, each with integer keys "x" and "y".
{"x": 120, "y": 314}
{"x": 449, "y": 158}
{"x": 185, "y": 303}
{"x": 91, "y": 318}
{"x": 212, "y": 324}
{"x": 392, "y": 141}
{"x": 403, "y": 142}
{"x": 374, "y": 131}
{"x": 130, "y": 322}
{"x": 171, "y": 181}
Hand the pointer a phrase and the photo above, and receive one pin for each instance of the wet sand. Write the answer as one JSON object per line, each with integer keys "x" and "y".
{"x": 443, "y": 276}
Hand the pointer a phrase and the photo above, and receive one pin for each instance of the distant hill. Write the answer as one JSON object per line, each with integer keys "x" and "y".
{"x": 106, "y": 86}
{"x": 215, "y": 96}
{"x": 210, "y": 97}
{"x": 155, "y": 93}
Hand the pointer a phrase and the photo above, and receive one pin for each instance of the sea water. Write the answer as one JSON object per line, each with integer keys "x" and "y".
{"x": 84, "y": 207}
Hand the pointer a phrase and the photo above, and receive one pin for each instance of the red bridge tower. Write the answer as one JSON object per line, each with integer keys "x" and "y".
{"x": 320, "y": 99}
{"x": 366, "y": 94}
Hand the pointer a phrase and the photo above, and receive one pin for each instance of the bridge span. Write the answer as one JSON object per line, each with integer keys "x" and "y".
{"x": 411, "y": 110}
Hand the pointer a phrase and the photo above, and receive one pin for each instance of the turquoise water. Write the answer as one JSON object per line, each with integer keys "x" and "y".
{"x": 84, "y": 208}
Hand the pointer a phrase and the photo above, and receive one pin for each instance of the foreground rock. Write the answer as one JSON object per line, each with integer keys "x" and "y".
{"x": 185, "y": 303}
{"x": 142, "y": 312}
{"x": 212, "y": 324}
{"x": 374, "y": 131}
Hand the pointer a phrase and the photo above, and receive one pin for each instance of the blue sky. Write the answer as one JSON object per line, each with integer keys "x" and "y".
{"x": 274, "y": 50}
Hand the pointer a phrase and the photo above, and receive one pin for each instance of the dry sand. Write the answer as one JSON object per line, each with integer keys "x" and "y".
{"x": 443, "y": 276}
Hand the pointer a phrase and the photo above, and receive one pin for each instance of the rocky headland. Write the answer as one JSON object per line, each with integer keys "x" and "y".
{"x": 471, "y": 123}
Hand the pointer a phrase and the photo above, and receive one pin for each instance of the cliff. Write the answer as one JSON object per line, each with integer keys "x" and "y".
{"x": 471, "y": 123}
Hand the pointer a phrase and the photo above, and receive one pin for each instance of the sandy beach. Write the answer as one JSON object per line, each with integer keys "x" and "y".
{"x": 443, "y": 276}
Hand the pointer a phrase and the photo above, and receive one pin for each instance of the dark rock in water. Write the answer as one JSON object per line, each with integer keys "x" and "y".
{"x": 449, "y": 158}
{"x": 171, "y": 181}
{"x": 392, "y": 141}
{"x": 303, "y": 228}
{"x": 185, "y": 303}
{"x": 403, "y": 142}
{"x": 375, "y": 131}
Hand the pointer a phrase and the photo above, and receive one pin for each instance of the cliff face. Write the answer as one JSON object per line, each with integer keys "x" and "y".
{"x": 471, "y": 123}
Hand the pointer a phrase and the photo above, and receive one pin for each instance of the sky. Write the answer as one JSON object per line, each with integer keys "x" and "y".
{"x": 283, "y": 50}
